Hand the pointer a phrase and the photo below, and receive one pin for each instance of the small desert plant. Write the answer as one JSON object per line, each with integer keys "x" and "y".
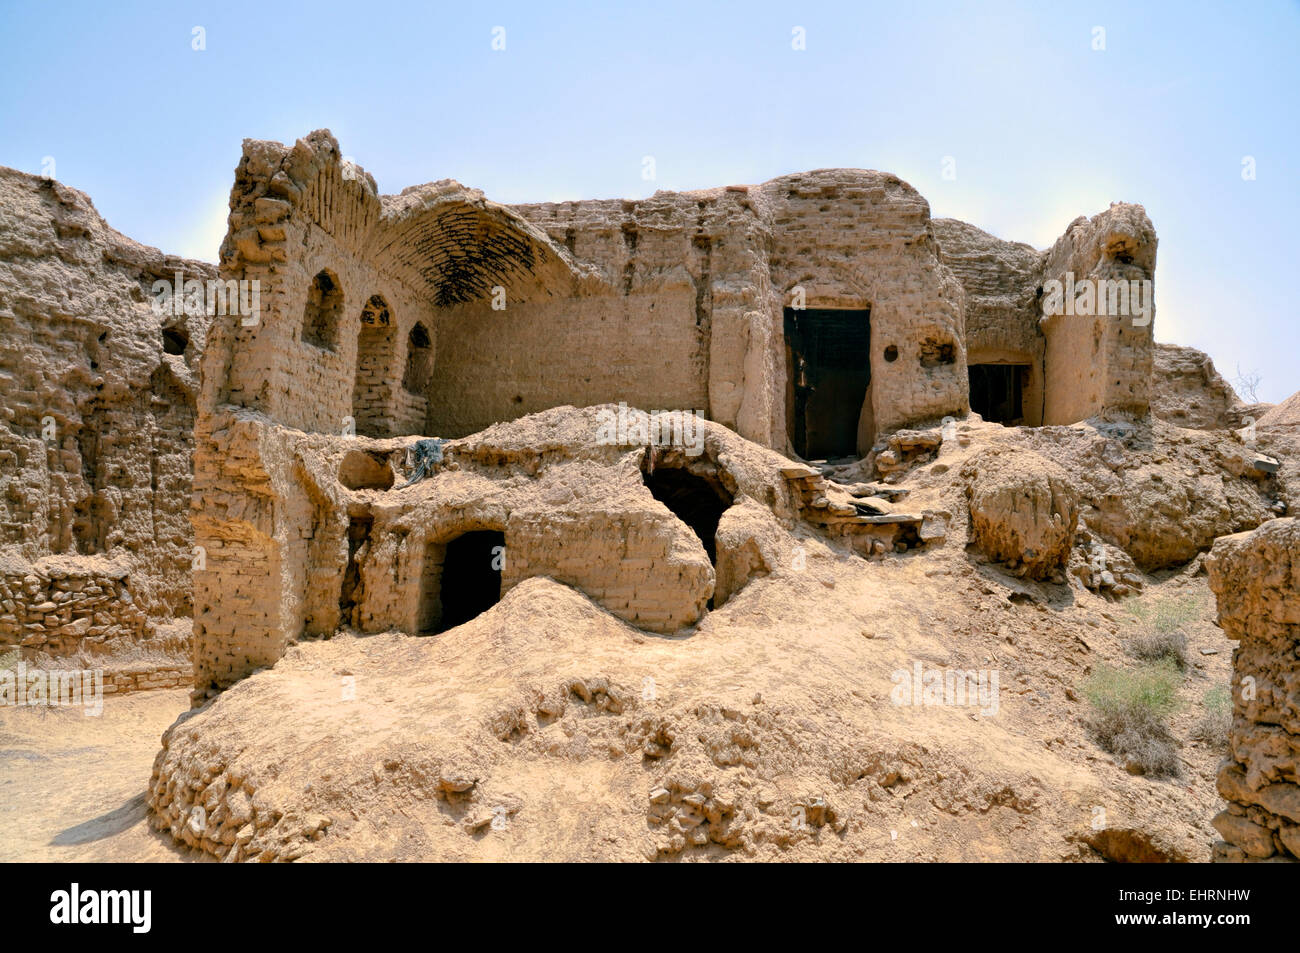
{"x": 1167, "y": 613}
{"x": 1162, "y": 621}
{"x": 1160, "y": 646}
{"x": 1130, "y": 710}
{"x": 1212, "y": 726}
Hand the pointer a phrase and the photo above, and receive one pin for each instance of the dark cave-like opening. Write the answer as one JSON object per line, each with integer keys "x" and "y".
{"x": 828, "y": 363}
{"x": 695, "y": 500}
{"x": 470, "y": 582}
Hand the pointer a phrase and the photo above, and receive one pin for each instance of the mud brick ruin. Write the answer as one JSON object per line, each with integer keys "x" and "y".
{"x": 810, "y": 315}
{"x": 622, "y": 412}
{"x": 95, "y": 441}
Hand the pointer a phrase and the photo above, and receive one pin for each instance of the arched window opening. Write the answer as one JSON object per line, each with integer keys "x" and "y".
{"x": 371, "y": 389}
{"x": 419, "y": 361}
{"x": 320, "y": 320}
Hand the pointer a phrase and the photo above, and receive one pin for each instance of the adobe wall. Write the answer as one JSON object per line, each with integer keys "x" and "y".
{"x": 684, "y": 282}
{"x": 845, "y": 238}
{"x": 692, "y": 286}
{"x": 854, "y": 239}
{"x": 265, "y": 531}
{"x": 1256, "y": 579}
{"x": 671, "y": 302}
{"x": 1101, "y": 362}
{"x": 645, "y": 349}
{"x": 95, "y": 433}
{"x": 295, "y": 213}
{"x": 570, "y": 506}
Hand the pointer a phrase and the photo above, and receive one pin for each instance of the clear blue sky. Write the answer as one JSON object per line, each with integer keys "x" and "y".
{"x": 1041, "y": 126}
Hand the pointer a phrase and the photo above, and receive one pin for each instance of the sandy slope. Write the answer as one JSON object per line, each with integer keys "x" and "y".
{"x": 531, "y": 733}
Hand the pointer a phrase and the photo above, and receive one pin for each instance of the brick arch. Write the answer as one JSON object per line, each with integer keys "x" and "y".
{"x": 458, "y": 247}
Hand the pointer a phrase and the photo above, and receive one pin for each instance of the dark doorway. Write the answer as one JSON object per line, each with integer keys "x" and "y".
{"x": 997, "y": 391}
{"x": 471, "y": 576}
{"x": 828, "y": 362}
{"x": 696, "y": 501}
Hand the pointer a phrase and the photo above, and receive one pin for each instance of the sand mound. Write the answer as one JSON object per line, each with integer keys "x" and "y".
{"x": 548, "y": 729}
{"x": 924, "y": 703}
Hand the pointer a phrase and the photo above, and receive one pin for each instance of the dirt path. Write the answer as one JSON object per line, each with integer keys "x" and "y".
{"x": 72, "y": 787}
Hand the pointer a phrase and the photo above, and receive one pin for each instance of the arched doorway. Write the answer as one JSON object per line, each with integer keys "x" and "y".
{"x": 697, "y": 501}
{"x": 320, "y": 319}
{"x": 419, "y": 361}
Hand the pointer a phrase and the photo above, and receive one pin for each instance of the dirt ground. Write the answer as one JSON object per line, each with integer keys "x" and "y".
{"x": 72, "y": 787}
{"x": 755, "y": 716}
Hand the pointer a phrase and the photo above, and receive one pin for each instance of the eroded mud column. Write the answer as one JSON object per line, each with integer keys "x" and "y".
{"x": 1256, "y": 577}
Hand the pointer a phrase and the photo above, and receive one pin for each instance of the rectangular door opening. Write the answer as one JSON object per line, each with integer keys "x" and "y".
{"x": 828, "y": 365}
{"x": 461, "y": 579}
{"x": 997, "y": 391}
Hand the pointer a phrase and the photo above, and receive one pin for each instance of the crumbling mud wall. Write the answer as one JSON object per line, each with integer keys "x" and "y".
{"x": 439, "y": 313}
{"x": 671, "y": 302}
{"x": 1075, "y": 321}
{"x": 1190, "y": 392}
{"x": 856, "y": 239}
{"x": 1256, "y": 578}
{"x": 642, "y": 333}
{"x": 1101, "y": 362}
{"x": 341, "y": 539}
{"x": 700, "y": 280}
{"x": 95, "y": 433}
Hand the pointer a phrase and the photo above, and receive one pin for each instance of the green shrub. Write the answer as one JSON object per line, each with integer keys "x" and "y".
{"x": 1153, "y": 687}
{"x": 1130, "y": 711}
{"x": 1160, "y": 620}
